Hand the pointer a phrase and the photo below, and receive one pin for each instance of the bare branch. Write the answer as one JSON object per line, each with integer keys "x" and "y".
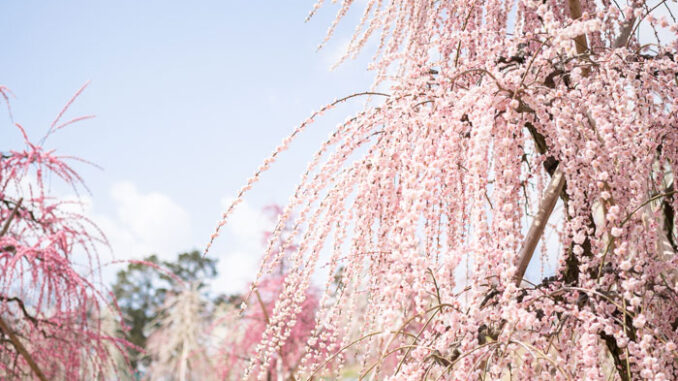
{"x": 546, "y": 206}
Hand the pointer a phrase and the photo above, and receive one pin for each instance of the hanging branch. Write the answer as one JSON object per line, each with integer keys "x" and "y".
{"x": 22, "y": 350}
{"x": 557, "y": 183}
{"x": 3, "y": 325}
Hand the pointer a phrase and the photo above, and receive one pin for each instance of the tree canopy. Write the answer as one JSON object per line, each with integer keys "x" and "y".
{"x": 433, "y": 199}
{"x": 141, "y": 290}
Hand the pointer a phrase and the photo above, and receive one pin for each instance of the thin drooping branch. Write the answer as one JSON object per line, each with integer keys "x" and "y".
{"x": 3, "y": 326}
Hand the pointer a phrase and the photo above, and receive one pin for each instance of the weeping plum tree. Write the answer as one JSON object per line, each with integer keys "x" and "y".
{"x": 52, "y": 319}
{"x": 177, "y": 345}
{"x": 433, "y": 199}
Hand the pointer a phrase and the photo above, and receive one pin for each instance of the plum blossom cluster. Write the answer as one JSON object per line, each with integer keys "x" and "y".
{"x": 52, "y": 319}
{"x": 430, "y": 203}
{"x": 236, "y": 349}
{"x": 241, "y": 344}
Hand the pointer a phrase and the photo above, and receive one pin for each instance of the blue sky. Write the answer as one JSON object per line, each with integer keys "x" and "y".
{"x": 189, "y": 98}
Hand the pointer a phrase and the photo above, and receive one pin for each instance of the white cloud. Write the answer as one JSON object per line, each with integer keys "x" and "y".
{"x": 240, "y": 247}
{"x": 144, "y": 224}
{"x": 141, "y": 224}
{"x": 246, "y": 222}
{"x": 152, "y": 219}
{"x": 236, "y": 270}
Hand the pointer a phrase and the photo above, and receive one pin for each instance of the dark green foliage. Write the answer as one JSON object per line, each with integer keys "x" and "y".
{"x": 140, "y": 290}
